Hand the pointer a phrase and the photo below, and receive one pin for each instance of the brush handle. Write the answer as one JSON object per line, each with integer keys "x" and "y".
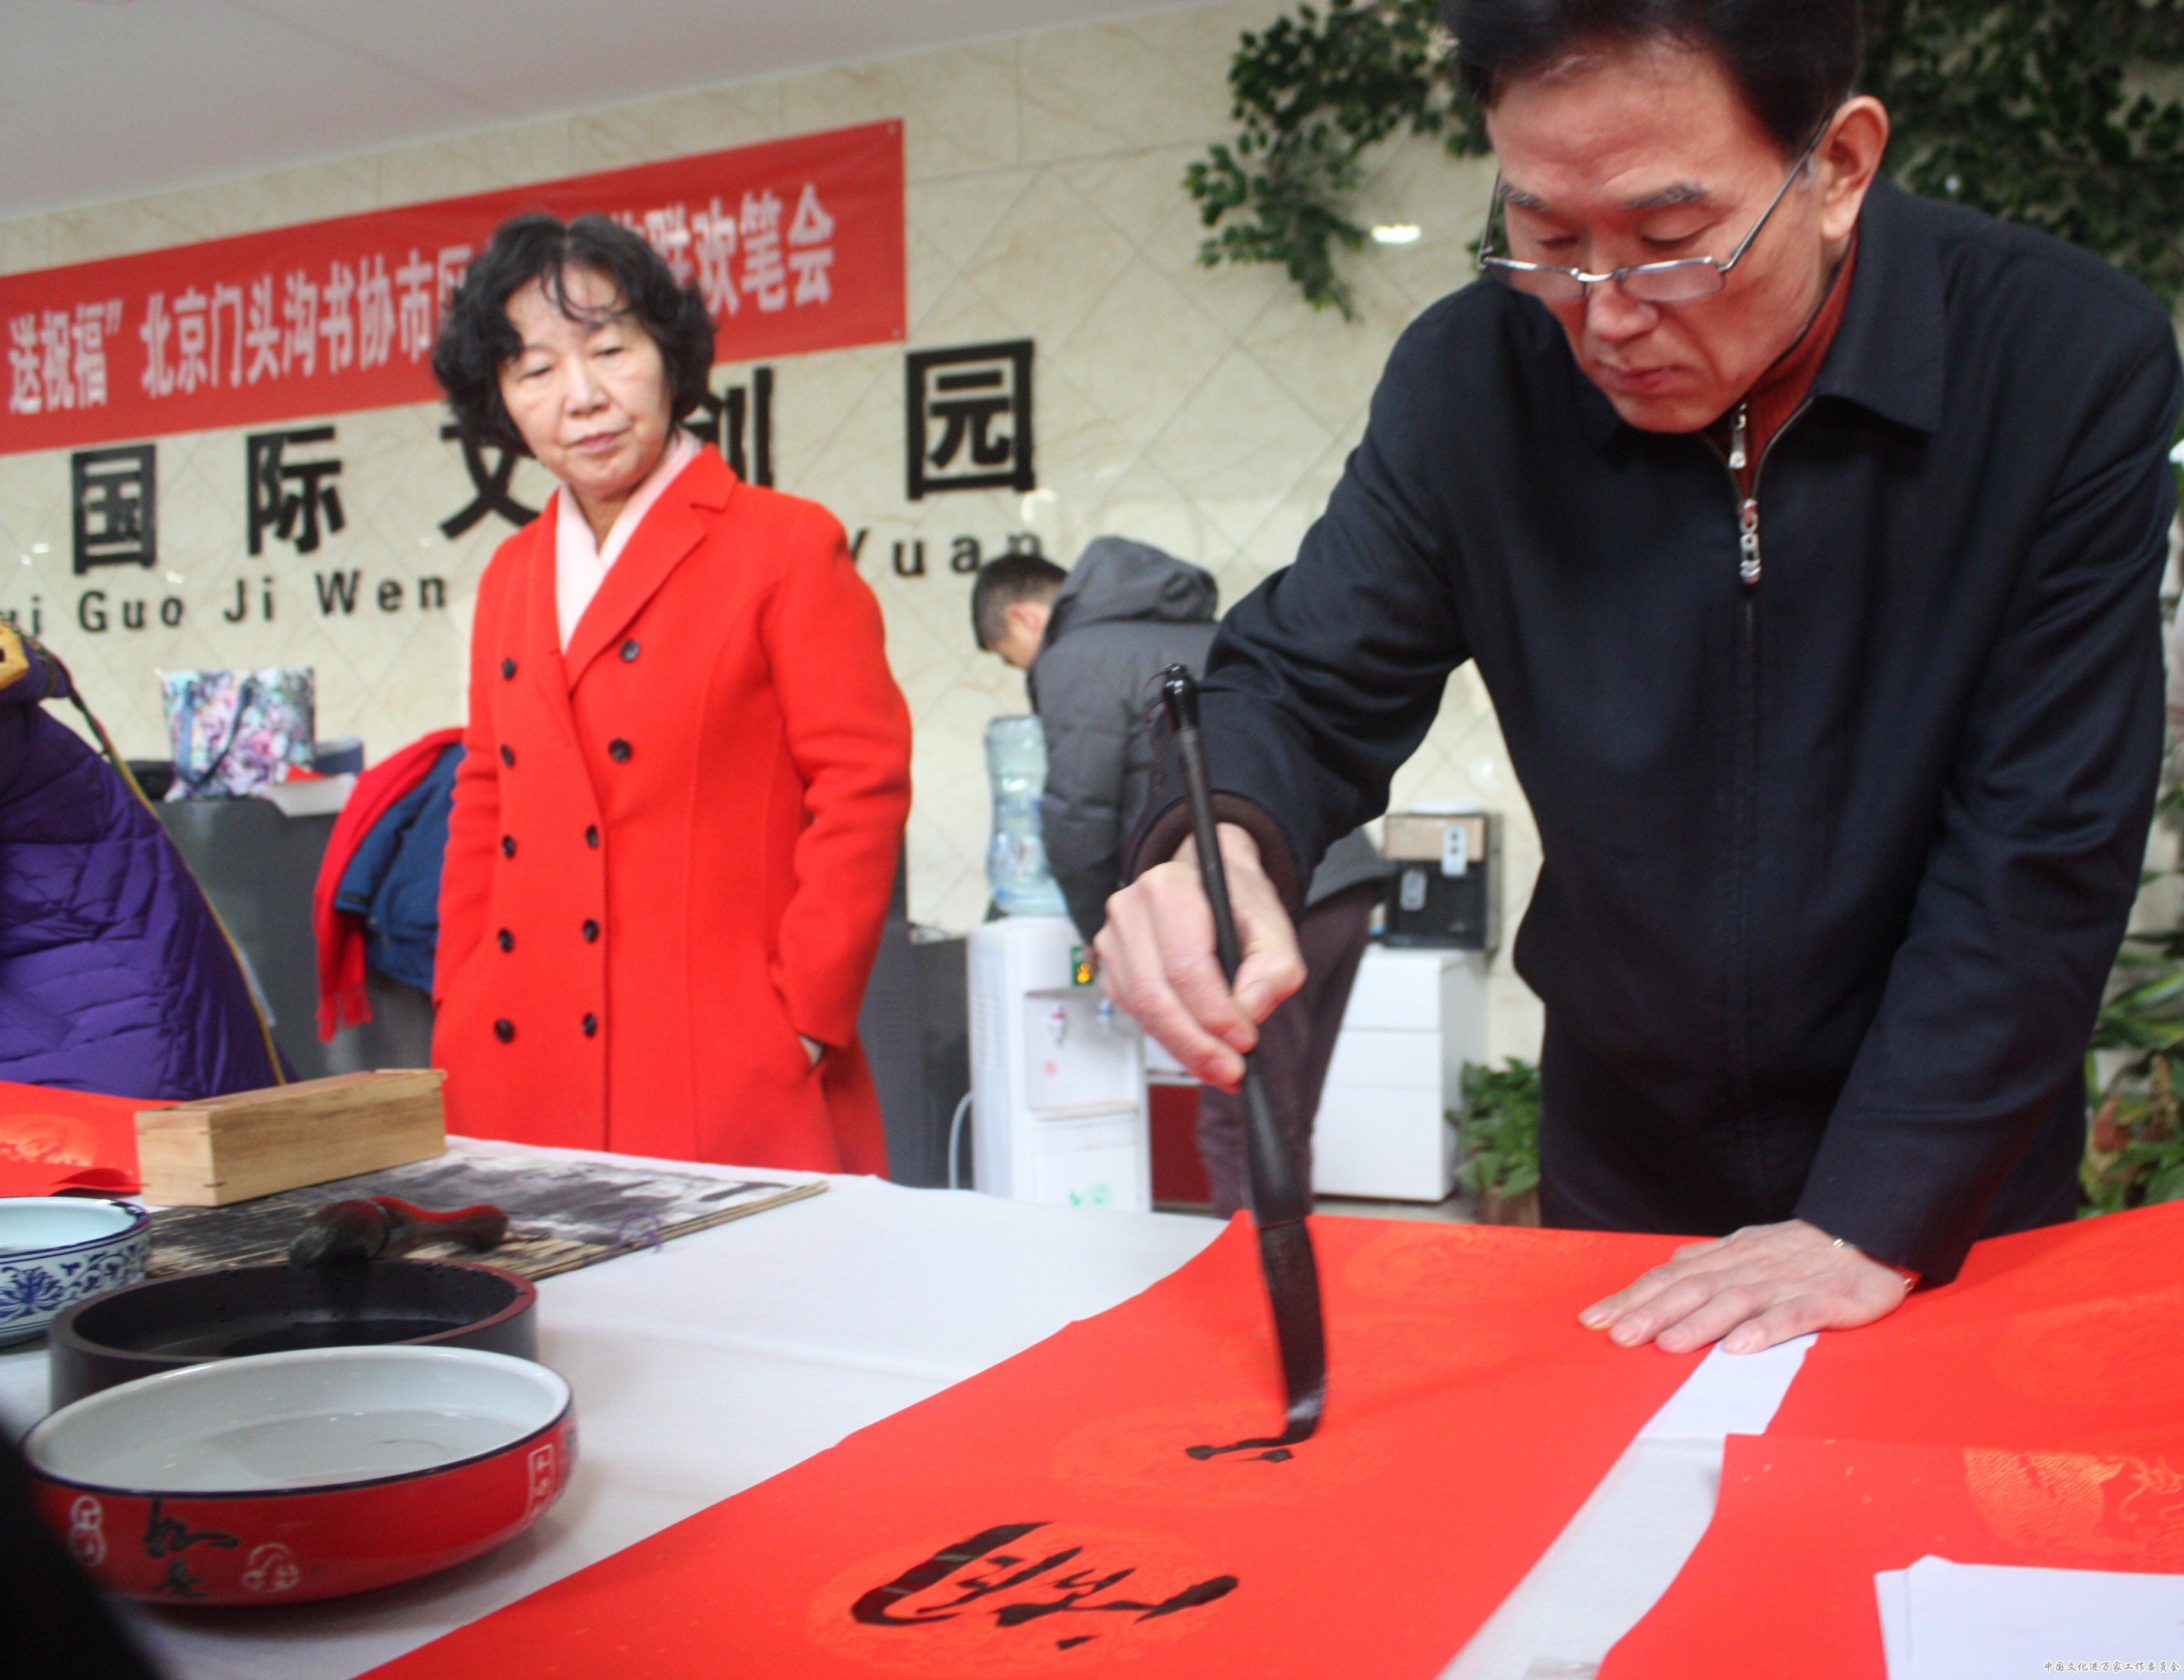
{"x": 1179, "y": 694}
{"x": 1278, "y": 1194}
{"x": 409, "y": 1227}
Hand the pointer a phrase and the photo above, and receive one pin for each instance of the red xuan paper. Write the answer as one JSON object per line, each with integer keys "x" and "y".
{"x": 52, "y": 1140}
{"x": 2068, "y": 1336}
{"x": 1782, "y": 1584}
{"x": 2026, "y": 1414}
{"x": 1045, "y": 1516}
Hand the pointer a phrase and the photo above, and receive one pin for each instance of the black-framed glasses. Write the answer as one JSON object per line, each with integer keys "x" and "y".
{"x": 1677, "y": 281}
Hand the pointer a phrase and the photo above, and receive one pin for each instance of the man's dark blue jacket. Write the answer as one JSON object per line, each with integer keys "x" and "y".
{"x": 1836, "y": 863}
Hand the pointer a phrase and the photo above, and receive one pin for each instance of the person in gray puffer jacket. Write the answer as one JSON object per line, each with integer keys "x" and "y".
{"x": 1093, "y": 642}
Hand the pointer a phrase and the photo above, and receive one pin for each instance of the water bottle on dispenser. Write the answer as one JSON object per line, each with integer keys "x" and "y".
{"x": 1058, "y": 1111}
{"x": 1016, "y": 858}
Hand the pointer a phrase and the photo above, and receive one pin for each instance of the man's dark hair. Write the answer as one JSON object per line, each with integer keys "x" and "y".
{"x": 1794, "y": 61}
{"x": 477, "y": 339}
{"x": 1001, "y": 583}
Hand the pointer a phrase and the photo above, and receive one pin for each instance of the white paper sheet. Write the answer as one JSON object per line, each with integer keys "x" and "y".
{"x": 1945, "y": 1620}
{"x": 1891, "y": 1588}
{"x": 1625, "y": 1545}
{"x": 1729, "y": 1394}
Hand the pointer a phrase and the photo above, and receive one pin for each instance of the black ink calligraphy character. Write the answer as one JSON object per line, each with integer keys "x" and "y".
{"x": 1277, "y": 1454}
{"x": 114, "y": 498}
{"x": 1076, "y": 1589}
{"x": 179, "y": 1583}
{"x": 739, "y": 422}
{"x": 976, "y": 1588}
{"x": 970, "y": 418}
{"x": 167, "y": 1536}
{"x": 873, "y": 1606}
{"x": 491, "y": 484}
{"x": 291, "y": 499}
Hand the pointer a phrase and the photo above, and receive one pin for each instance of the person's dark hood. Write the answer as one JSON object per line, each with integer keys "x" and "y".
{"x": 1116, "y": 581}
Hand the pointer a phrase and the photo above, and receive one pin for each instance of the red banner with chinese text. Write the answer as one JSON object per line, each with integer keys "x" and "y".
{"x": 797, "y": 245}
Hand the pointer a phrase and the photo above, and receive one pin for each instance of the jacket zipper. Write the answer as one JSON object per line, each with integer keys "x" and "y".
{"x": 1744, "y": 843}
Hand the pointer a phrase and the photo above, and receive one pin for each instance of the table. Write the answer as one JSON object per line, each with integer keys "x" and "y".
{"x": 725, "y": 1357}
{"x": 707, "y": 1366}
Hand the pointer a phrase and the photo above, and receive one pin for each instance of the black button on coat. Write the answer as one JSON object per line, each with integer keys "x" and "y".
{"x": 1837, "y": 863}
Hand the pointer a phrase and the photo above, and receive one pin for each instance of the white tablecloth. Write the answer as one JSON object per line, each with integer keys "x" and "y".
{"x": 703, "y": 1368}
{"x": 706, "y": 1366}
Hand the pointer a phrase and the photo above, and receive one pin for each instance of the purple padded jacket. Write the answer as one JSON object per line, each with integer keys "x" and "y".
{"x": 114, "y": 976}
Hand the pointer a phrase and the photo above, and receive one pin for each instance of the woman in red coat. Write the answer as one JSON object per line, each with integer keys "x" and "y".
{"x": 676, "y": 823}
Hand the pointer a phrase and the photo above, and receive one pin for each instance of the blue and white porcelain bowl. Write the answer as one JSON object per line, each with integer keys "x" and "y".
{"x": 58, "y": 1249}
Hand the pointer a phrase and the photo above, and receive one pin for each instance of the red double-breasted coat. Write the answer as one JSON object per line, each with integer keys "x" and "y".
{"x": 672, "y": 846}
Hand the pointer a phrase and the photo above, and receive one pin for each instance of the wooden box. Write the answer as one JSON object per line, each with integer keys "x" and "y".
{"x": 253, "y": 1143}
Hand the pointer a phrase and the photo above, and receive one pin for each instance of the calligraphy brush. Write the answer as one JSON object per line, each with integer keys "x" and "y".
{"x": 1279, "y": 1196}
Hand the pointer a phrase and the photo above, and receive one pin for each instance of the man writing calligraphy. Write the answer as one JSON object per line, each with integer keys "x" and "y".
{"x": 1806, "y": 535}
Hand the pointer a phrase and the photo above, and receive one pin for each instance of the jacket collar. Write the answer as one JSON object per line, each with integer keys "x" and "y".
{"x": 670, "y": 531}
{"x": 1887, "y": 354}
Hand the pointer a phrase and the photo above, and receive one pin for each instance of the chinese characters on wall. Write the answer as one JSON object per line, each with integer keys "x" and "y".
{"x": 114, "y": 498}
{"x": 970, "y": 421}
{"x": 968, "y": 425}
{"x": 292, "y": 497}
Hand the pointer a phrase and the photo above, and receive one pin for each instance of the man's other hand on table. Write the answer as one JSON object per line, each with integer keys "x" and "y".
{"x": 1751, "y": 1289}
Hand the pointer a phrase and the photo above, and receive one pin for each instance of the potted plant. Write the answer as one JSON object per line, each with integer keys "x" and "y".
{"x": 1499, "y": 1129}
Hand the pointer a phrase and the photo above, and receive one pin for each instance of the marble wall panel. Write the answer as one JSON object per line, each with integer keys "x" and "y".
{"x": 1049, "y": 260}
{"x": 475, "y": 163}
{"x": 1146, "y": 81}
{"x": 1240, "y": 442}
{"x": 94, "y": 231}
{"x": 675, "y": 126}
{"x": 949, "y": 221}
{"x": 26, "y": 242}
{"x": 341, "y": 186}
{"x": 959, "y": 105}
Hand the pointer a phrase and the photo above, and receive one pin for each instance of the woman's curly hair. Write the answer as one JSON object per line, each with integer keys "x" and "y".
{"x": 477, "y": 339}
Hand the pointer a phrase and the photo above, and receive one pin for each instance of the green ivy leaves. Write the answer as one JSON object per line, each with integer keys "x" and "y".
{"x": 1500, "y": 1130}
{"x": 1313, "y": 93}
{"x": 2052, "y": 113}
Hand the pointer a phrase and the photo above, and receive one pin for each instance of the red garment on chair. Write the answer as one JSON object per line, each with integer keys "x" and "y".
{"x": 342, "y": 1000}
{"x": 673, "y": 847}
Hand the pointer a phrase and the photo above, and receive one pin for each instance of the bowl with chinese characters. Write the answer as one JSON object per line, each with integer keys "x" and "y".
{"x": 58, "y": 1249}
{"x": 276, "y": 1478}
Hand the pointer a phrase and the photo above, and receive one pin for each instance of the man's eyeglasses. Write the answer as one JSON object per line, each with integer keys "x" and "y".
{"x": 1678, "y": 282}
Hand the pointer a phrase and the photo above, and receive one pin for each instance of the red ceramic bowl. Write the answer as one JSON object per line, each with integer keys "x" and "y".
{"x": 278, "y": 1478}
